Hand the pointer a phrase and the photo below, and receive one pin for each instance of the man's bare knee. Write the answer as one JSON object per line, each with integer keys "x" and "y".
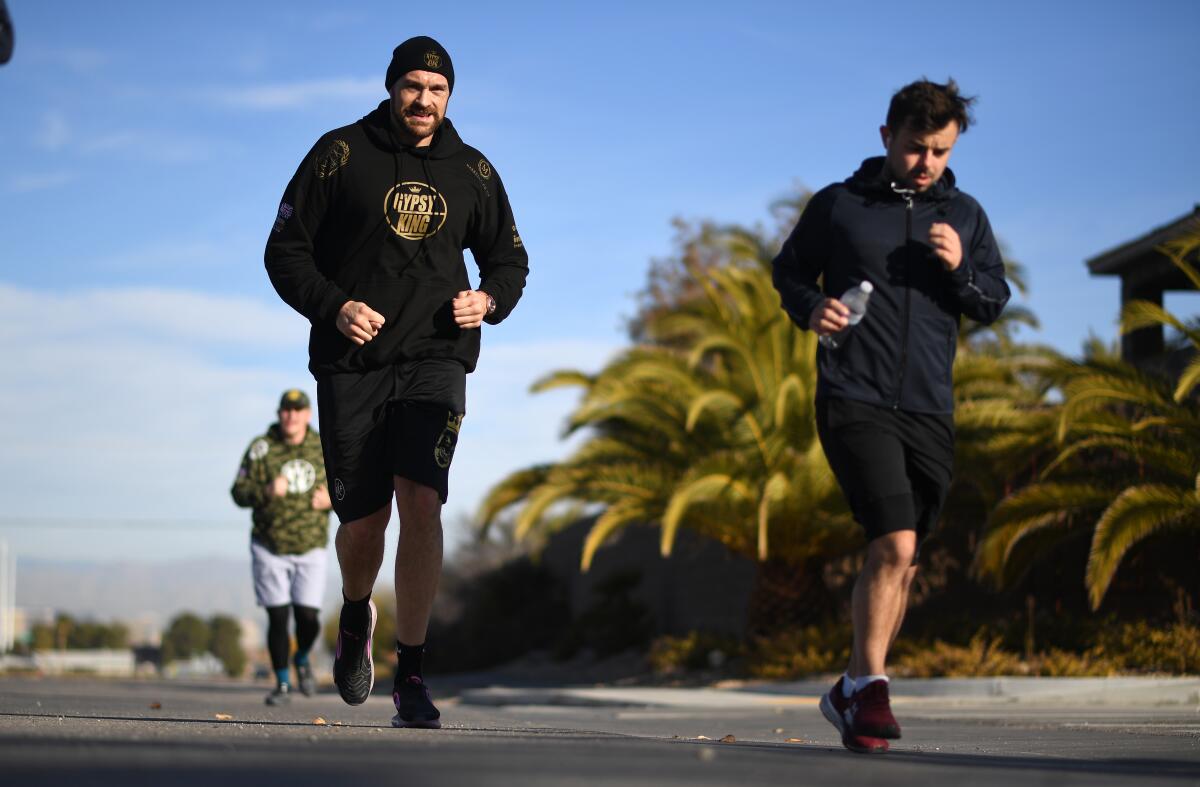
{"x": 894, "y": 552}
{"x": 369, "y": 525}
{"x": 417, "y": 503}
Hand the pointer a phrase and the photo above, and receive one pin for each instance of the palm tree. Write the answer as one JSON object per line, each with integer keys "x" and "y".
{"x": 706, "y": 424}
{"x": 1128, "y": 457}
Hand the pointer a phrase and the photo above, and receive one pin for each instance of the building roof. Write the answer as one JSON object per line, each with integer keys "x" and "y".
{"x": 1140, "y": 261}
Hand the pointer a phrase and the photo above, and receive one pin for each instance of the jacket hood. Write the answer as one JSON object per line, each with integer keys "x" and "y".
{"x": 379, "y": 126}
{"x": 868, "y": 179}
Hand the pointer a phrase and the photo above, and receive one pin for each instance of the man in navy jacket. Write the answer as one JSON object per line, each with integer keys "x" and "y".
{"x": 885, "y": 398}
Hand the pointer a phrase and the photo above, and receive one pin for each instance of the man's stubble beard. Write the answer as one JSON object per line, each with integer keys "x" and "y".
{"x": 415, "y": 134}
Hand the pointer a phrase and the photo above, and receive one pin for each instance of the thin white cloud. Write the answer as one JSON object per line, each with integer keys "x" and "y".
{"x": 81, "y": 60}
{"x": 150, "y": 315}
{"x": 137, "y": 403}
{"x": 293, "y": 95}
{"x": 54, "y": 133}
{"x": 148, "y": 146}
{"x": 120, "y": 404}
{"x": 181, "y": 254}
{"x": 44, "y": 181}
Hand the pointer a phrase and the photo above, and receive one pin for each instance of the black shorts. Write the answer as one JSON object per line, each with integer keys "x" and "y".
{"x": 399, "y": 421}
{"x": 894, "y": 467}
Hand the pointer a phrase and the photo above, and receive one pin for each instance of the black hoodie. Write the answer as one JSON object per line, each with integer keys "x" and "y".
{"x": 902, "y": 353}
{"x": 369, "y": 219}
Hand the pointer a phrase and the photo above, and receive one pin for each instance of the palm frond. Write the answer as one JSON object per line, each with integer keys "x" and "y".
{"x": 1137, "y": 513}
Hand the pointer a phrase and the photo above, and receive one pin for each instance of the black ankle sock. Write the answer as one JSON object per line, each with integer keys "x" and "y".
{"x": 356, "y": 615}
{"x": 408, "y": 660}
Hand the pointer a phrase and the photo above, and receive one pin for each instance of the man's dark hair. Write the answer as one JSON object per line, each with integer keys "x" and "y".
{"x": 926, "y": 106}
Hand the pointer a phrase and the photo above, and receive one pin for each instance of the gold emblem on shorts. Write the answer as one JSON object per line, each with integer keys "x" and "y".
{"x": 443, "y": 452}
{"x": 433, "y": 59}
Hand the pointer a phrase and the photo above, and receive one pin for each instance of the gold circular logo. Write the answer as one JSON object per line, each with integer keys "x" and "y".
{"x": 432, "y": 59}
{"x": 414, "y": 210}
{"x": 485, "y": 169}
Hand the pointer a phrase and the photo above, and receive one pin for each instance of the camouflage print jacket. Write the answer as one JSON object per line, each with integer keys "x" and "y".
{"x": 285, "y": 525}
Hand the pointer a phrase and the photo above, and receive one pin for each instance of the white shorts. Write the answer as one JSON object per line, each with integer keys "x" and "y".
{"x": 280, "y": 580}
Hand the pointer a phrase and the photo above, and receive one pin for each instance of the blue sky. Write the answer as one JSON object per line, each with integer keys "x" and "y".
{"x": 145, "y": 147}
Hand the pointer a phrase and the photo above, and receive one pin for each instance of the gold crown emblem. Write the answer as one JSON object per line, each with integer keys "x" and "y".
{"x": 414, "y": 189}
{"x": 433, "y": 59}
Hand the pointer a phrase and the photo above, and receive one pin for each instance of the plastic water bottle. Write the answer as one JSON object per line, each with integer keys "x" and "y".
{"x": 855, "y": 299}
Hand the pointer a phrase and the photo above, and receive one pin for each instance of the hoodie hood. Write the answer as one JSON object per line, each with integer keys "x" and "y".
{"x": 379, "y": 126}
{"x": 276, "y": 434}
{"x": 868, "y": 180}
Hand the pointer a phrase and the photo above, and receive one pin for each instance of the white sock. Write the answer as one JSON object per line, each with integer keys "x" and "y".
{"x": 861, "y": 681}
{"x": 847, "y": 685}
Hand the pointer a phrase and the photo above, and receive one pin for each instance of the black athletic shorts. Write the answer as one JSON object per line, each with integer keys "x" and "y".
{"x": 894, "y": 467}
{"x": 398, "y": 421}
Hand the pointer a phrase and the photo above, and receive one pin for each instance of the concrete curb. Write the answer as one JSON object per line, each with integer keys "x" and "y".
{"x": 1122, "y": 691}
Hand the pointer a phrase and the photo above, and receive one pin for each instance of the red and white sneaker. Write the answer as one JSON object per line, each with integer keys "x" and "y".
{"x": 835, "y": 707}
{"x": 871, "y": 711}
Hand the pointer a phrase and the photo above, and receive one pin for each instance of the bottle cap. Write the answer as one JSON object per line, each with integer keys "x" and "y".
{"x": 866, "y": 286}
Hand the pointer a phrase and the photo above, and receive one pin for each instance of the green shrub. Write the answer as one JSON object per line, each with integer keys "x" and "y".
{"x": 695, "y": 651}
{"x": 796, "y": 652}
{"x": 1117, "y": 648}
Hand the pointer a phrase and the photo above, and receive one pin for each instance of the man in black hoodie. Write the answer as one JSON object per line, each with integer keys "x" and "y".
{"x": 368, "y": 245}
{"x": 885, "y": 399}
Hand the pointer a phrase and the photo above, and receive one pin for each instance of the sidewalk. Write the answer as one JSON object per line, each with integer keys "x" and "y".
{"x": 1126, "y": 692}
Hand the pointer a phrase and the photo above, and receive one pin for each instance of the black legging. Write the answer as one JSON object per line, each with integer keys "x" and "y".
{"x": 307, "y": 627}
{"x": 278, "y": 642}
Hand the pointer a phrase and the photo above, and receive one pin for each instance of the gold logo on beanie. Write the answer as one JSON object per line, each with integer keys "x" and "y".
{"x": 433, "y": 59}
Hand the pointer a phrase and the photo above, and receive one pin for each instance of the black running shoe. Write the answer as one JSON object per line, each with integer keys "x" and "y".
{"x": 414, "y": 707}
{"x": 353, "y": 669}
{"x": 281, "y": 696}
{"x": 305, "y": 679}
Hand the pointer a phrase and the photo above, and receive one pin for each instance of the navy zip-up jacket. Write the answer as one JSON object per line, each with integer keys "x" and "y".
{"x": 902, "y": 352}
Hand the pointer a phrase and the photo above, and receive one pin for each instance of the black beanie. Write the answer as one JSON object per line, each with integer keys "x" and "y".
{"x": 420, "y": 53}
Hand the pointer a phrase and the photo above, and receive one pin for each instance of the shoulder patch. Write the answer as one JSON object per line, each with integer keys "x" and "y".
{"x": 332, "y": 159}
{"x": 482, "y": 171}
{"x": 285, "y": 213}
{"x": 258, "y": 449}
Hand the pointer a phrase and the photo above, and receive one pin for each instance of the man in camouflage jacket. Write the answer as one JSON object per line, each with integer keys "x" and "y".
{"x": 282, "y": 478}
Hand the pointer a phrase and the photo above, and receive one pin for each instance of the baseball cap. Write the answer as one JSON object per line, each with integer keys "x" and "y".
{"x": 294, "y": 399}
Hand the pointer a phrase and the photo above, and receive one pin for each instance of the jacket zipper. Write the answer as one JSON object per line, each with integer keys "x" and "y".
{"x": 907, "y": 195}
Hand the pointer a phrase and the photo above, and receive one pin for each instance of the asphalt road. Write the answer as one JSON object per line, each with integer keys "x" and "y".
{"x": 79, "y": 731}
